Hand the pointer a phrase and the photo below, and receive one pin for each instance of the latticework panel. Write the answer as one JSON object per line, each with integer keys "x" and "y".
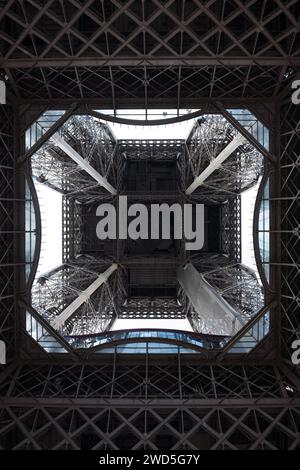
{"x": 7, "y": 230}
{"x": 180, "y": 406}
{"x": 290, "y": 228}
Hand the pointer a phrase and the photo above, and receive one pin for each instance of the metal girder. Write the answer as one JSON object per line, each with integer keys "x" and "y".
{"x": 83, "y": 164}
{"x": 9, "y": 234}
{"x": 91, "y": 312}
{"x": 216, "y": 163}
{"x": 49, "y": 133}
{"x": 177, "y": 38}
{"x": 192, "y": 61}
{"x": 83, "y": 297}
{"x": 221, "y": 299}
{"x": 216, "y": 167}
{"x": 288, "y": 203}
{"x": 138, "y": 405}
{"x": 246, "y": 133}
{"x": 217, "y": 315}
{"x": 86, "y": 139}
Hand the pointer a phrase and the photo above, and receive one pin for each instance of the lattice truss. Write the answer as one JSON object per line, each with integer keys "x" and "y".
{"x": 93, "y": 141}
{"x": 72, "y": 227}
{"x": 7, "y": 229}
{"x": 237, "y": 285}
{"x": 147, "y": 307}
{"x": 179, "y": 51}
{"x": 290, "y": 228}
{"x": 154, "y": 150}
{"x": 53, "y": 292}
{"x": 161, "y": 150}
{"x": 181, "y": 406}
{"x": 230, "y": 228}
{"x": 209, "y": 137}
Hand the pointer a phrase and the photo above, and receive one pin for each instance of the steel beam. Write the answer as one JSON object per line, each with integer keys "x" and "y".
{"x": 54, "y": 128}
{"x": 83, "y": 297}
{"x": 65, "y": 147}
{"x": 219, "y": 317}
{"x": 216, "y": 163}
{"x": 242, "y": 130}
{"x": 196, "y": 61}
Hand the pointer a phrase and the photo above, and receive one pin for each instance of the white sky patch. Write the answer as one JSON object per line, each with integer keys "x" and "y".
{"x": 165, "y": 324}
{"x": 247, "y": 208}
{"x": 50, "y": 202}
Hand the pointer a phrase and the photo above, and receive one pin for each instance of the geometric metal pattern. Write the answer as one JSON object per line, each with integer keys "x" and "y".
{"x": 8, "y": 236}
{"x": 90, "y": 140}
{"x": 235, "y": 284}
{"x": 290, "y": 228}
{"x": 230, "y": 228}
{"x": 144, "y": 307}
{"x": 241, "y": 169}
{"x": 179, "y": 51}
{"x": 149, "y": 405}
{"x": 55, "y": 292}
{"x": 192, "y": 55}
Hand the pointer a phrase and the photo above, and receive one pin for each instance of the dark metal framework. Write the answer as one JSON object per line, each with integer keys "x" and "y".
{"x": 149, "y": 405}
{"x": 139, "y": 55}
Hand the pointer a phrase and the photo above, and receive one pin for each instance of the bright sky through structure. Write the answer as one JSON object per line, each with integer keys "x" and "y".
{"x": 50, "y": 202}
{"x": 247, "y": 208}
{"x": 51, "y": 209}
{"x": 165, "y": 324}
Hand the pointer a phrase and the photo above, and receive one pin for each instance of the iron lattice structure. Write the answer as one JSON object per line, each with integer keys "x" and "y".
{"x": 55, "y": 290}
{"x": 209, "y": 137}
{"x": 7, "y": 229}
{"x": 216, "y": 55}
{"x": 237, "y": 285}
{"x": 231, "y": 228}
{"x": 143, "y": 307}
{"x": 93, "y": 141}
{"x": 192, "y": 407}
{"x": 72, "y": 233}
{"x": 173, "y": 52}
{"x": 290, "y": 234}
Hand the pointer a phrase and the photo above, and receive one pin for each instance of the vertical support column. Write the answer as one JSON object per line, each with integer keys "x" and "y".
{"x": 7, "y": 230}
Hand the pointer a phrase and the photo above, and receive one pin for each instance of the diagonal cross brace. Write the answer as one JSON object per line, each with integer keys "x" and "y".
{"x": 65, "y": 147}
{"x": 216, "y": 162}
{"x": 60, "y": 320}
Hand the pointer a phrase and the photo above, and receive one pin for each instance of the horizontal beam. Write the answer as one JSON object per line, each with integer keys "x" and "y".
{"x": 141, "y": 61}
{"x": 216, "y": 162}
{"x": 60, "y": 320}
{"x": 35, "y": 402}
{"x": 65, "y": 147}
